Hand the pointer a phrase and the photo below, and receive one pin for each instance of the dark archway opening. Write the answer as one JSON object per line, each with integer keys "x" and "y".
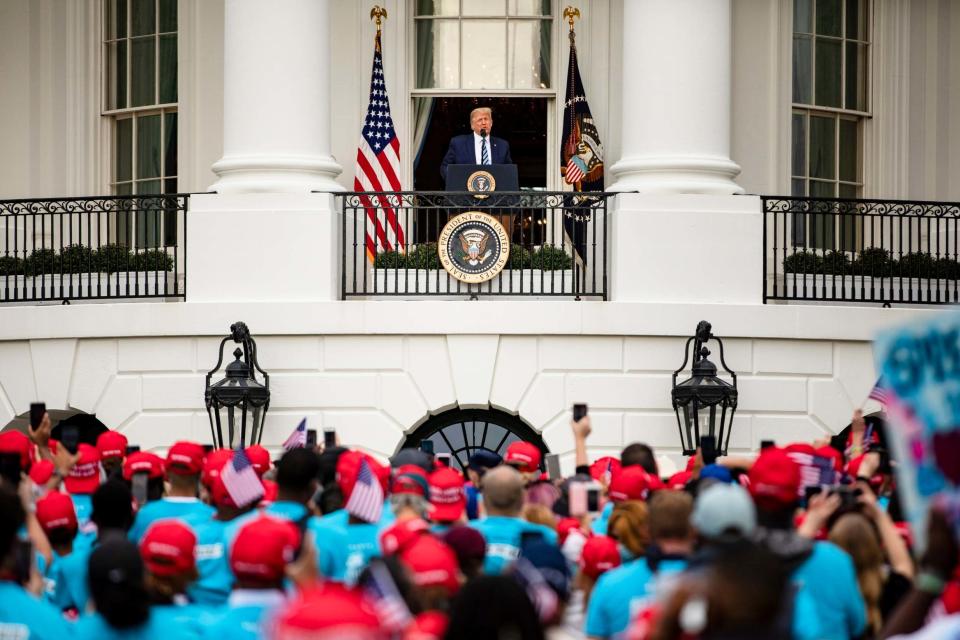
{"x": 463, "y": 432}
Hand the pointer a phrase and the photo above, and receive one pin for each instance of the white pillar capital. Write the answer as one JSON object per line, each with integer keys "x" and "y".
{"x": 276, "y": 89}
{"x": 676, "y": 98}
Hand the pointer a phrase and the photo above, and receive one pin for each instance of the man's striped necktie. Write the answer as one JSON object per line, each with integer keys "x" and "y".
{"x": 484, "y": 156}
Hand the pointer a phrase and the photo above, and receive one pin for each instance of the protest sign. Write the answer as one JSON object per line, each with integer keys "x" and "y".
{"x": 920, "y": 365}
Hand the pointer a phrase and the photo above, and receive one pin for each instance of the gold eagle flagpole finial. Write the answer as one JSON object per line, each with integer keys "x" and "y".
{"x": 379, "y": 14}
{"x": 571, "y": 14}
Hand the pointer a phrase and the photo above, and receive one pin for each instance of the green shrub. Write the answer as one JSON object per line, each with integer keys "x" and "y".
{"x": 389, "y": 260}
{"x": 803, "y": 262}
{"x": 114, "y": 257}
{"x": 423, "y": 256}
{"x": 550, "y": 258}
{"x": 77, "y": 258}
{"x": 917, "y": 265}
{"x": 520, "y": 258}
{"x": 152, "y": 260}
{"x": 10, "y": 266}
{"x": 873, "y": 261}
{"x": 41, "y": 261}
{"x": 947, "y": 268}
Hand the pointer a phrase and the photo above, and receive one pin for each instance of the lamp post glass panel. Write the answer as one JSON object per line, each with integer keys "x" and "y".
{"x": 238, "y": 401}
{"x": 704, "y": 403}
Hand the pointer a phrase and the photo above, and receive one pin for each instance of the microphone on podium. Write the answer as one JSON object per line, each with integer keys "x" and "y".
{"x": 483, "y": 133}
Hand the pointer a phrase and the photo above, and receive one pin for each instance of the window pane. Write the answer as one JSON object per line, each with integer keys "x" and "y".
{"x": 110, "y": 19}
{"x": 144, "y": 17}
{"x": 822, "y": 224}
{"x": 802, "y": 66}
{"x": 848, "y": 191}
{"x": 484, "y": 8}
{"x": 438, "y": 54}
{"x": 529, "y": 7}
{"x": 168, "y": 69}
{"x": 170, "y": 185}
{"x": 168, "y": 15}
{"x": 120, "y": 19}
{"x": 148, "y": 147}
{"x": 484, "y": 63}
{"x": 799, "y": 145}
{"x": 820, "y": 189}
{"x": 438, "y": 7}
{"x": 828, "y": 73}
{"x": 170, "y": 144}
{"x": 148, "y": 187}
{"x": 798, "y": 187}
{"x": 117, "y": 75}
{"x": 123, "y": 150}
{"x": 802, "y": 16}
{"x": 822, "y": 137}
{"x": 854, "y": 90}
{"x": 142, "y": 72}
{"x": 828, "y": 18}
{"x": 528, "y": 44}
{"x": 855, "y": 19}
{"x": 124, "y": 189}
{"x": 848, "y": 150}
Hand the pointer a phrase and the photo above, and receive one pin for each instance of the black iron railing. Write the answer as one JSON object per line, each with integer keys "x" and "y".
{"x": 558, "y": 244}
{"x": 845, "y": 250}
{"x": 103, "y": 247}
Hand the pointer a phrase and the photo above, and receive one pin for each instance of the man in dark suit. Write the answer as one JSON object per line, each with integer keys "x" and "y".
{"x": 478, "y": 147}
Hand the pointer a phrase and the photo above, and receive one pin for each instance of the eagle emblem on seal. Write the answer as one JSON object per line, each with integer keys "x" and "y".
{"x": 474, "y": 245}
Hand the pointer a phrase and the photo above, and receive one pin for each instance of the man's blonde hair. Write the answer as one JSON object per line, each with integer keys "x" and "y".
{"x": 479, "y": 110}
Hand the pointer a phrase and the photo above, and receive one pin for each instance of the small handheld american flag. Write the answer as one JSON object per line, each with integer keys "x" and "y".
{"x": 380, "y": 587}
{"x": 241, "y": 480}
{"x": 366, "y": 499}
{"x": 879, "y": 391}
{"x": 297, "y": 439}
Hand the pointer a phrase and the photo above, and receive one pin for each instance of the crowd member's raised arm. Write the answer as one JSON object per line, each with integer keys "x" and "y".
{"x": 581, "y": 430}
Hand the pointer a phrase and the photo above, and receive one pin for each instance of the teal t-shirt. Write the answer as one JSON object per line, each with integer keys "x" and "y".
{"x": 165, "y": 509}
{"x": 599, "y": 526}
{"x": 165, "y": 623}
{"x": 26, "y": 617}
{"x": 72, "y": 589}
{"x": 504, "y": 535}
{"x": 86, "y": 530}
{"x": 830, "y": 580}
{"x": 215, "y": 580}
{"x": 54, "y": 589}
{"x": 245, "y": 616}
{"x": 622, "y": 592}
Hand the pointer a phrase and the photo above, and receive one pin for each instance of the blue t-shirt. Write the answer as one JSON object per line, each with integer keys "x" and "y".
{"x": 72, "y": 589}
{"x": 361, "y": 540}
{"x": 474, "y": 498}
{"x": 86, "y": 530}
{"x": 504, "y": 535}
{"x": 165, "y": 509}
{"x": 164, "y": 623}
{"x": 245, "y": 616}
{"x": 212, "y": 587}
{"x": 828, "y": 576}
{"x": 25, "y": 617}
{"x": 623, "y": 592}
{"x": 54, "y": 589}
{"x": 599, "y": 525}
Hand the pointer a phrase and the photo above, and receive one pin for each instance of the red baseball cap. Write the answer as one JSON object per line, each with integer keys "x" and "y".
{"x": 565, "y": 527}
{"x": 599, "y": 555}
{"x": 168, "y": 548}
{"x": 259, "y": 458}
{"x": 523, "y": 455}
{"x": 85, "y": 475}
{"x": 410, "y": 478}
{"x": 348, "y": 467}
{"x": 632, "y": 483}
{"x": 429, "y": 625}
{"x": 432, "y": 563}
{"x": 41, "y": 471}
{"x": 185, "y": 458}
{"x": 774, "y": 479}
{"x": 17, "y": 442}
{"x": 270, "y": 491}
{"x": 55, "y": 510}
{"x": 447, "y": 495}
{"x": 402, "y": 534}
{"x": 332, "y": 608}
{"x": 679, "y": 480}
{"x": 600, "y": 466}
{"x": 263, "y": 547}
{"x": 112, "y": 444}
{"x": 213, "y": 464}
{"x": 143, "y": 461}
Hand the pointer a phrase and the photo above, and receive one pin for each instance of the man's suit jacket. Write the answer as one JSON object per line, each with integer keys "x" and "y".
{"x": 462, "y": 151}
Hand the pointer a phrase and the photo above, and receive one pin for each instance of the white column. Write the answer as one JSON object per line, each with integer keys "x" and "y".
{"x": 276, "y": 93}
{"x": 676, "y": 98}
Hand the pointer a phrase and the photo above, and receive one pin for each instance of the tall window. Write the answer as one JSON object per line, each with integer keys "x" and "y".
{"x": 140, "y": 101}
{"x": 830, "y": 101}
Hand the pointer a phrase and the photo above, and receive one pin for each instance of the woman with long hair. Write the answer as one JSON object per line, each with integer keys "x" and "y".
{"x": 855, "y": 534}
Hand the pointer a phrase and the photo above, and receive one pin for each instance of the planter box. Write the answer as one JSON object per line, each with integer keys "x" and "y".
{"x": 79, "y": 286}
{"x": 418, "y": 282}
{"x": 807, "y": 286}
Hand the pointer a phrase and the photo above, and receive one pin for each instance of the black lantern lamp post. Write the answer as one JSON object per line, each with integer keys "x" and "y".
{"x": 704, "y": 403}
{"x": 238, "y": 401}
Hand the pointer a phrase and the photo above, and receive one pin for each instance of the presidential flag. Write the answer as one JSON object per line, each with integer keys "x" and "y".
{"x": 241, "y": 480}
{"x": 378, "y": 166}
{"x": 366, "y": 499}
{"x": 297, "y": 439}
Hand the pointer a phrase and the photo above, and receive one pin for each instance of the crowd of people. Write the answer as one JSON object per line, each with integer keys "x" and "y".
{"x": 802, "y": 540}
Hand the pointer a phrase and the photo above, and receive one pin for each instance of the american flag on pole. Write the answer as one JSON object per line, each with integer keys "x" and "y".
{"x": 366, "y": 499}
{"x": 379, "y": 586}
{"x": 879, "y": 392}
{"x": 378, "y": 166}
{"x": 241, "y": 480}
{"x": 297, "y": 439}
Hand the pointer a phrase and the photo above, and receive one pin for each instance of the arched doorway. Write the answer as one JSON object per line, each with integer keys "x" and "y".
{"x": 463, "y": 432}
